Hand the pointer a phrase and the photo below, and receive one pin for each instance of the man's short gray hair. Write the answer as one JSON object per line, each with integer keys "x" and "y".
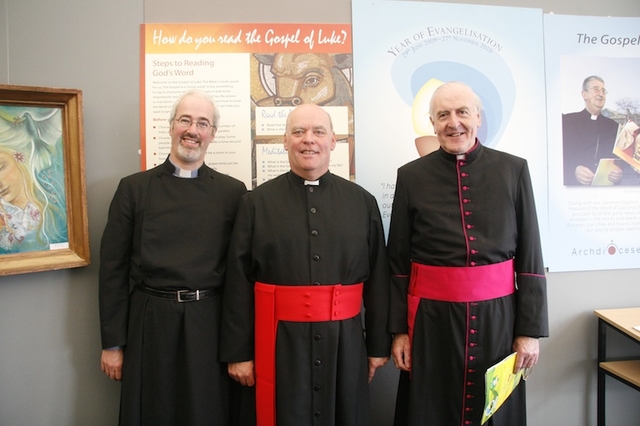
{"x": 476, "y": 98}
{"x": 585, "y": 83}
{"x": 199, "y": 94}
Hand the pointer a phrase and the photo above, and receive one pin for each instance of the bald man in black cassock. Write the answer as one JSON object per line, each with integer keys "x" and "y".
{"x": 307, "y": 248}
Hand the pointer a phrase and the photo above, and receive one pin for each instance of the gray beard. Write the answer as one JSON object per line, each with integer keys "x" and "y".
{"x": 189, "y": 155}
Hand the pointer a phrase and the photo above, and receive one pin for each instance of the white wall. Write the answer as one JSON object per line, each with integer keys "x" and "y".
{"x": 49, "y": 331}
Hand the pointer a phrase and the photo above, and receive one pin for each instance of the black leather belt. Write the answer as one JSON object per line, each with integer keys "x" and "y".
{"x": 179, "y": 295}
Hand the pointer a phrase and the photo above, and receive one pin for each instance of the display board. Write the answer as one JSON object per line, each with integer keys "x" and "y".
{"x": 256, "y": 73}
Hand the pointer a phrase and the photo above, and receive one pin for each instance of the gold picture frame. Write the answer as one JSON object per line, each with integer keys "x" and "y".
{"x": 43, "y": 208}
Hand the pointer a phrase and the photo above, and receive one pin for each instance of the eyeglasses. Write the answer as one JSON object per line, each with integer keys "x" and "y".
{"x": 187, "y": 122}
{"x": 597, "y": 89}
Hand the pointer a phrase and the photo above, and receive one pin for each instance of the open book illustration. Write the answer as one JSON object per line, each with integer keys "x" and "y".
{"x": 627, "y": 145}
{"x": 499, "y": 383}
{"x": 601, "y": 178}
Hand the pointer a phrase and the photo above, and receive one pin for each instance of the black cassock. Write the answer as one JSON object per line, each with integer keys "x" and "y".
{"x": 585, "y": 142}
{"x": 290, "y": 234}
{"x": 169, "y": 233}
{"x": 464, "y": 213}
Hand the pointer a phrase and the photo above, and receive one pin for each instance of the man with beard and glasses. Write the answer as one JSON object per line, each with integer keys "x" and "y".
{"x": 163, "y": 260}
{"x": 467, "y": 278}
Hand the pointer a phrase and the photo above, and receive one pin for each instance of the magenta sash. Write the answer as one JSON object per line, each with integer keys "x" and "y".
{"x": 457, "y": 284}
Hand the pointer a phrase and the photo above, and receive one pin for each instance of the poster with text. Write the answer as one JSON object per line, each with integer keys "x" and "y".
{"x": 403, "y": 50}
{"x": 256, "y": 73}
{"x": 593, "y": 95}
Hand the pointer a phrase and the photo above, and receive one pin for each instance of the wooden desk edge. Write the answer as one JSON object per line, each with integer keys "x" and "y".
{"x": 627, "y": 370}
{"x": 624, "y": 319}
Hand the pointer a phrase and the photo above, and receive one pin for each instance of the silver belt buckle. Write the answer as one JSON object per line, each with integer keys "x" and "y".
{"x": 180, "y": 293}
{"x": 181, "y": 300}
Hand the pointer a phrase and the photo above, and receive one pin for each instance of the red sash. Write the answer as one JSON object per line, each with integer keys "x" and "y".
{"x": 457, "y": 284}
{"x": 275, "y": 303}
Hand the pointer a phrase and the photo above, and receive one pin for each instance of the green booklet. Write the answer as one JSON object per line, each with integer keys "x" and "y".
{"x": 499, "y": 383}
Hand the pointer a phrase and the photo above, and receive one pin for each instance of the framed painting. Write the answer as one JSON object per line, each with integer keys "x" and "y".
{"x": 43, "y": 209}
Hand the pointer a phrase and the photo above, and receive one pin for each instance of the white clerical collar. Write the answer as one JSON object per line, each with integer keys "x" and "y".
{"x": 186, "y": 173}
{"x": 312, "y": 182}
{"x": 183, "y": 173}
{"x": 594, "y": 117}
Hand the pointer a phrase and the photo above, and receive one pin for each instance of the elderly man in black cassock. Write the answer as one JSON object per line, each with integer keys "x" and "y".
{"x": 307, "y": 248}
{"x": 588, "y": 137}
{"x": 167, "y": 237}
{"x": 468, "y": 285}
